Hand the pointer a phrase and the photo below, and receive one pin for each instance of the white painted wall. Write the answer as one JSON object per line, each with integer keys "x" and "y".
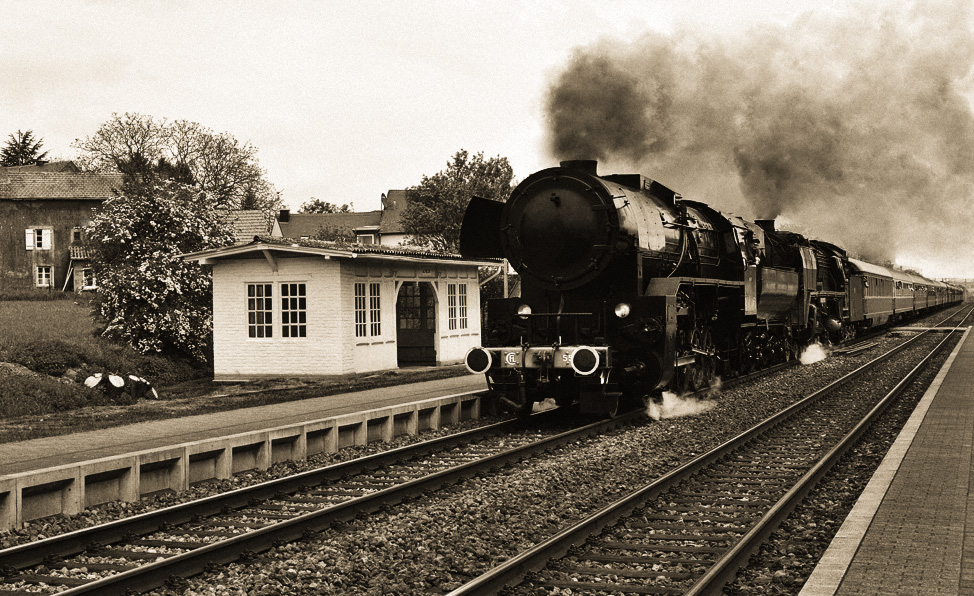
{"x": 331, "y": 346}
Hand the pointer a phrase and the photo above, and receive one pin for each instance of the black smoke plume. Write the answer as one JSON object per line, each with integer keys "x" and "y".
{"x": 855, "y": 128}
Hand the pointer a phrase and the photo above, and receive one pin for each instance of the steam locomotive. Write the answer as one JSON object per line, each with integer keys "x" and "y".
{"x": 627, "y": 289}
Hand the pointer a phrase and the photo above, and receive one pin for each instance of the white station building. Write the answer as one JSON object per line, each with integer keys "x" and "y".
{"x": 286, "y": 308}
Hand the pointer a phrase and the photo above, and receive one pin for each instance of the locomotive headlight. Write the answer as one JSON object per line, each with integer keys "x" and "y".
{"x": 622, "y": 310}
{"x": 524, "y": 309}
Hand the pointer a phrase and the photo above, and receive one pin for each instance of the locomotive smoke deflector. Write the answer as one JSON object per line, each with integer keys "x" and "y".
{"x": 480, "y": 230}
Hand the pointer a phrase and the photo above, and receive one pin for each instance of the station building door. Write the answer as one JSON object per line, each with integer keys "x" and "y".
{"x": 416, "y": 324}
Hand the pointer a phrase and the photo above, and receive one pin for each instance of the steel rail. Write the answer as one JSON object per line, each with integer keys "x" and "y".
{"x": 516, "y": 568}
{"x": 71, "y": 543}
{"x": 225, "y": 551}
{"x": 725, "y": 569}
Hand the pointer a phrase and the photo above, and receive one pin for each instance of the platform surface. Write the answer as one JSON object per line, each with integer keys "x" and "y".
{"x": 912, "y": 530}
{"x": 49, "y": 452}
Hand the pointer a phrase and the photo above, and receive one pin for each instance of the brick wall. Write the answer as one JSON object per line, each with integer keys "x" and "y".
{"x": 236, "y": 355}
{"x": 331, "y": 346}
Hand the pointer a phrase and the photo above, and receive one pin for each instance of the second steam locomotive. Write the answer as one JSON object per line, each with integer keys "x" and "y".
{"x": 627, "y": 288}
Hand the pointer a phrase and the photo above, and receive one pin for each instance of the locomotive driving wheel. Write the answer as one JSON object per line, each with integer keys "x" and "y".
{"x": 700, "y": 374}
{"x": 706, "y": 364}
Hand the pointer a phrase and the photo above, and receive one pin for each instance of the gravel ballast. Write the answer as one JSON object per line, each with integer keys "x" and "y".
{"x": 436, "y": 544}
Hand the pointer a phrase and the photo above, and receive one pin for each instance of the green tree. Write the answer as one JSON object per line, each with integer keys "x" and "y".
{"x": 222, "y": 166}
{"x": 434, "y": 209}
{"x": 340, "y": 234}
{"x": 319, "y": 206}
{"x": 149, "y": 297}
{"x": 22, "y": 150}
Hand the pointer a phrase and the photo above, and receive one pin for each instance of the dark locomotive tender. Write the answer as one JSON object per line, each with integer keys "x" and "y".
{"x": 627, "y": 288}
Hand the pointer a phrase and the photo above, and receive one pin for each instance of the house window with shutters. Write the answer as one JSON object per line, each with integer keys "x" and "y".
{"x": 42, "y": 276}
{"x": 39, "y": 238}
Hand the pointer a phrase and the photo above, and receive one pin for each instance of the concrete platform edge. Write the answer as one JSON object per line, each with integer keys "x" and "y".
{"x": 831, "y": 569}
{"x": 70, "y": 488}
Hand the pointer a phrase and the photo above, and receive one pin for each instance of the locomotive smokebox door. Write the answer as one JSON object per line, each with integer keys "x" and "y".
{"x": 560, "y": 230}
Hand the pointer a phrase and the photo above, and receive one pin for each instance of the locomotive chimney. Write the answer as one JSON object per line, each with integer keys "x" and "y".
{"x": 589, "y": 166}
{"x": 766, "y": 224}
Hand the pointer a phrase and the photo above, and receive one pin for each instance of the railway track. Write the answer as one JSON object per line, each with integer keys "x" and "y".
{"x": 142, "y": 552}
{"x": 691, "y": 530}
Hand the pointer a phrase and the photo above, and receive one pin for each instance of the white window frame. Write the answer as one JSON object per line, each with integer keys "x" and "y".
{"x": 260, "y": 316}
{"x": 361, "y": 329}
{"x": 375, "y": 309}
{"x": 294, "y": 310}
{"x": 38, "y": 238}
{"x": 42, "y": 274}
{"x": 366, "y": 239}
{"x": 462, "y": 304}
{"x": 451, "y": 306}
{"x": 88, "y": 275}
{"x": 368, "y": 309}
{"x": 456, "y": 301}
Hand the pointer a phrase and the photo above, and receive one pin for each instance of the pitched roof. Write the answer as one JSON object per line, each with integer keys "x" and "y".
{"x": 333, "y": 249}
{"x": 248, "y": 223}
{"x": 393, "y": 203}
{"x": 79, "y": 253}
{"x": 51, "y": 166}
{"x": 306, "y": 224}
{"x": 28, "y": 183}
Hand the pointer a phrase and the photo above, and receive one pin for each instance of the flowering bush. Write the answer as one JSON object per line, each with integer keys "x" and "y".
{"x": 149, "y": 297}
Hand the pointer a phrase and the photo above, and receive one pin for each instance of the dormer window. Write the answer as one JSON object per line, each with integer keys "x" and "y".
{"x": 365, "y": 238}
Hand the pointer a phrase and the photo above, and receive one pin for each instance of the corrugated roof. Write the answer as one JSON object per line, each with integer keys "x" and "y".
{"x": 27, "y": 184}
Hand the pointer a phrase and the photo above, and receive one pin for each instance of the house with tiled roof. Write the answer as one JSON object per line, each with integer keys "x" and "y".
{"x": 248, "y": 223}
{"x": 368, "y": 227}
{"x": 43, "y": 212}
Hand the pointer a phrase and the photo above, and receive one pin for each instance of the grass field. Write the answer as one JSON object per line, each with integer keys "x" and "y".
{"x": 28, "y": 320}
{"x": 56, "y": 338}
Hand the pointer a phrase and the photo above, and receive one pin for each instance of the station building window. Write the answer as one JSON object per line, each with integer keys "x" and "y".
{"x": 456, "y": 302}
{"x": 260, "y": 309}
{"x": 294, "y": 310}
{"x": 368, "y": 310}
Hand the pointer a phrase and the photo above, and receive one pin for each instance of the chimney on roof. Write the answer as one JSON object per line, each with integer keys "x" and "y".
{"x": 285, "y": 216}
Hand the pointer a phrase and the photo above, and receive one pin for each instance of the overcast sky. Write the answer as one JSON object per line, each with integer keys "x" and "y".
{"x": 344, "y": 100}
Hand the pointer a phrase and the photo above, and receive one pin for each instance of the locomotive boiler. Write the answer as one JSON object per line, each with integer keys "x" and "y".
{"x": 628, "y": 288}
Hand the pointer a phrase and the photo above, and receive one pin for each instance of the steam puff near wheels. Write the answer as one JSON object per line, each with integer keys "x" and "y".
{"x": 671, "y": 405}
